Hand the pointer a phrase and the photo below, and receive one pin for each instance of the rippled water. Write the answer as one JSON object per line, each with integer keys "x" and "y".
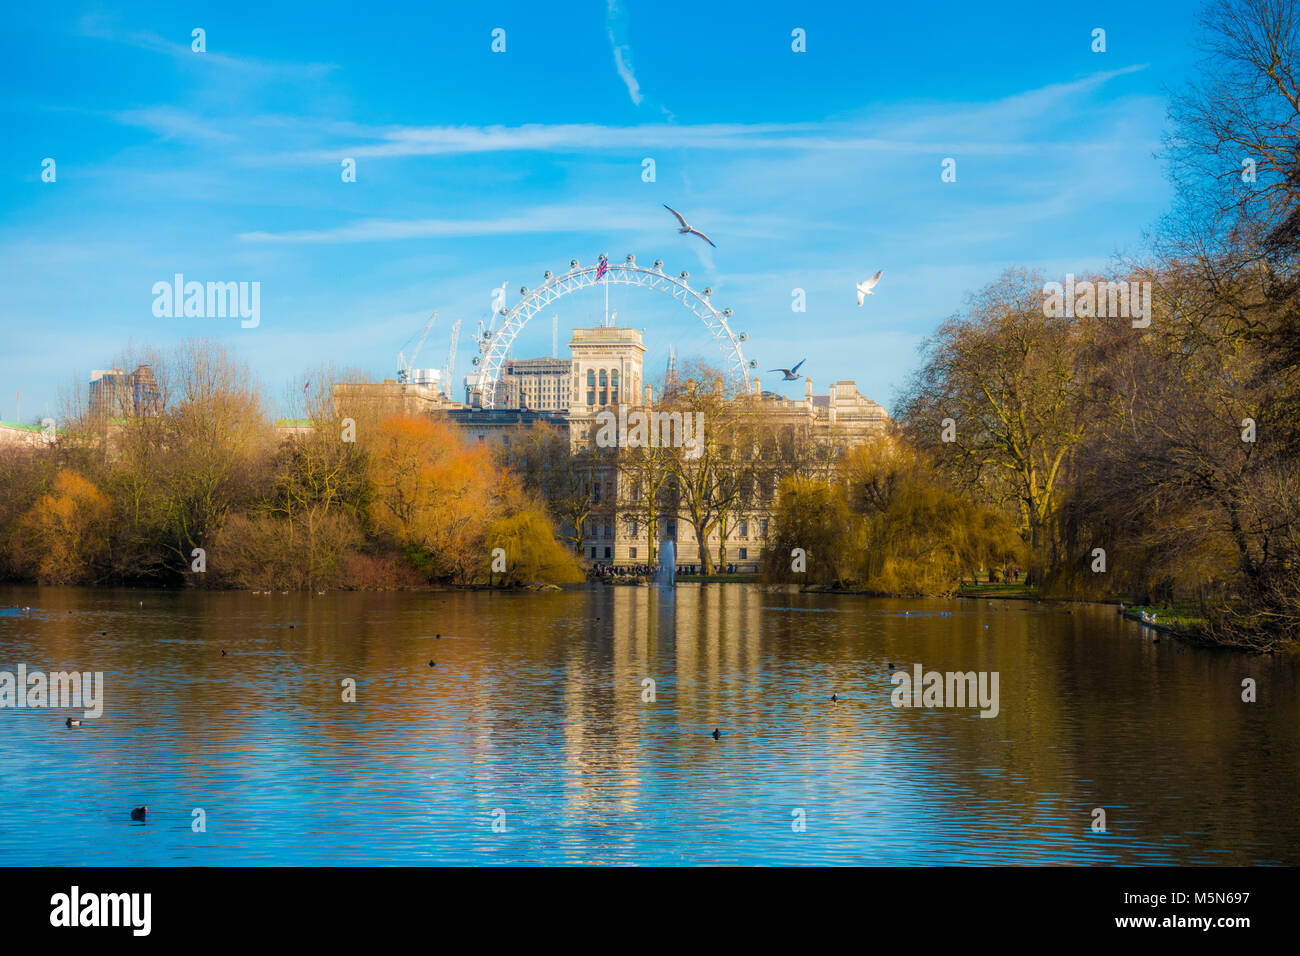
{"x": 535, "y": 708}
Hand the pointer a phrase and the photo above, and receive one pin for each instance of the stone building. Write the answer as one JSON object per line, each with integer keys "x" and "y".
{"x": 606, "y": 369}
{"x": 409, "y": 398}
{"x": 16, "y": 433}
{"x": 538, "y": 384}
{"x": 606, "y": 378}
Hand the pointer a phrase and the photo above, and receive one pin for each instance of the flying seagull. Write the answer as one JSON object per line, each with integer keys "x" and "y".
{"x": 687, "y": 228}
{"x": 864, "y": 288}
{"x": 789, "y": 373}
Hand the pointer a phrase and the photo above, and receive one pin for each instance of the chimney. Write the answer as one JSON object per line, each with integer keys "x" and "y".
{"x": 807, "y": 393}
{"x": 834, "y": 392}
{"x": 649, "y": 395}
{"x": 756, "y": 386}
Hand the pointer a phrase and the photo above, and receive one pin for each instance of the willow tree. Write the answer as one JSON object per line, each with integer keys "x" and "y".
{"x": 435, "y": 496}
{"x": 64, "y": 537}
{"x": 558, "y": 472}
{"x": 815, "y": 538}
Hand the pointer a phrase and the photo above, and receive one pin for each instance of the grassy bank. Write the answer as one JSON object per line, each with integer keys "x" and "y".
{"x": 1007, "y": 592}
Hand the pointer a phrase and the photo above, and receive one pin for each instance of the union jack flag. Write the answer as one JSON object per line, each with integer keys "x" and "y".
{"x": 602, "y": 268}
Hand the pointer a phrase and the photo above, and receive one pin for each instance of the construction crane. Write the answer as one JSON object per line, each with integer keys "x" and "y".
{"x": 403, "y": 366}
{"x": 449, "y": 369}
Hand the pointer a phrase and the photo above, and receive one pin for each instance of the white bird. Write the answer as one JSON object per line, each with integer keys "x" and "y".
{"x": 687, "y": 228}
{"x": 864, "y": 288}
{"x": 789, "y": 373}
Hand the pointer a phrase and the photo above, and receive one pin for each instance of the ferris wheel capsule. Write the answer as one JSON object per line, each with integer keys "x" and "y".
{"x": 573, "y": 263}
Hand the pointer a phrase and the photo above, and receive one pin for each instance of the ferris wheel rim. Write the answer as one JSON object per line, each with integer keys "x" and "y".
{"x": 496, "y": 345}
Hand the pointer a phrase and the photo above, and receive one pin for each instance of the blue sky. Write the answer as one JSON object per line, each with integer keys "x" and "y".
{"x": 809, "y": 170}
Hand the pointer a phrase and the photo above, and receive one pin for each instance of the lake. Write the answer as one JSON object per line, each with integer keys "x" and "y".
{"x": 534, "y": 739}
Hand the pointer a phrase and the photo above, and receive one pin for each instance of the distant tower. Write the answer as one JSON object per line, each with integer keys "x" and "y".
{"x": 606, "y": 368}
{"x": 670, "y": 373}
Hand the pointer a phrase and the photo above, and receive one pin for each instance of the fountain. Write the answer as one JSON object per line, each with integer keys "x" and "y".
{"x": 667, "y": 564}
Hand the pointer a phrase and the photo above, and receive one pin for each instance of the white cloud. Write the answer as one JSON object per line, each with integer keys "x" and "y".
{"x": 99, "y": 27}
{"x": 173, "y": 123}
{"x": 616, "y": 25}
{"x": 553, "y": 219}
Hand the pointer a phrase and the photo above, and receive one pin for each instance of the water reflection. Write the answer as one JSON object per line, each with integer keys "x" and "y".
{"x": 539, "y": 717}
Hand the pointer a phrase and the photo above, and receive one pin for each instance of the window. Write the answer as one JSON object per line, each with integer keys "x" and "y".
{"x": 632, "y": 553}
{"x": 591, "y": 386}
{"x": 593, "y": 554}
{"x": 744, "y": 553}
{"x": 743, "y": 528}
{"x": 633, "y": 530}
{"x": 607, "y": 554}
{"x": 613, "y": 387}
{"x": 604, "y": 392}
{"x": 609, "y": 531}
{"x": 762, "y": 527}
{"x": 672, "y": 529}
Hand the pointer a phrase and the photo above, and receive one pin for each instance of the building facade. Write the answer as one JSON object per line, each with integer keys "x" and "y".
{"x": 605, "y": 369}
{"x": 538, "y": 384}
{"x": 118, "y": 394}
{"x": 605, "y": 375}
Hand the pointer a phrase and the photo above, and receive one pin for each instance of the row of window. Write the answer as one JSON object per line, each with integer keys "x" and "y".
{"x": 603, "y": 386}
{"x": 631, "y": 554}
{"x": 591, "y": 529}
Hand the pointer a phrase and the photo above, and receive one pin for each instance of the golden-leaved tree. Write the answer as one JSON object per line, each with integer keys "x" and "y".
{"x": 448, "y": 503}
{"x": 434, "y": 495}
{"x": 64, "y": 537}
